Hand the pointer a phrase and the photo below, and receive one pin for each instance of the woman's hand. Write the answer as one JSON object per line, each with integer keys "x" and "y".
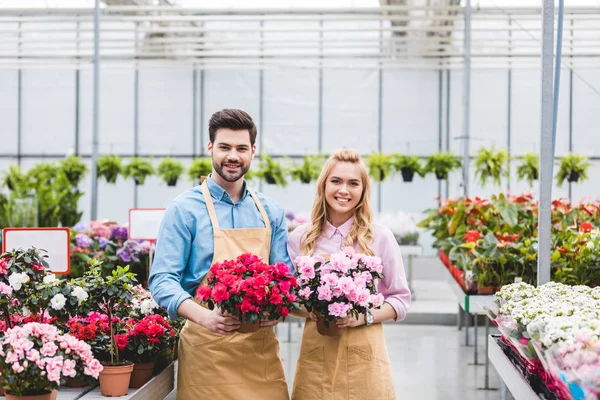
{"x": 351, "y": 321}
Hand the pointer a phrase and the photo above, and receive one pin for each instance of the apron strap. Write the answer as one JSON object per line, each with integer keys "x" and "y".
{"x": 260, "y": 208}
{"x": 210, "y": 206}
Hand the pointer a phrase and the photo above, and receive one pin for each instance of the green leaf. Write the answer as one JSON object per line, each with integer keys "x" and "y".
{"x": 555, "y": 255}
{"x": 456, "y": 218}
{"x": 509, "y": 212}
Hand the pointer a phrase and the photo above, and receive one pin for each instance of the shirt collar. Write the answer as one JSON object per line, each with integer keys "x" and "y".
{"x": 344, "y": 229}
{"x": 218, "y": 193}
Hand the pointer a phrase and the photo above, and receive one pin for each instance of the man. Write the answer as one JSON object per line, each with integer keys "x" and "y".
{"x": 219, "y": 220}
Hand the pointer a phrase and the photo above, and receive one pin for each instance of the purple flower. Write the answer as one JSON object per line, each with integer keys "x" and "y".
{"x": 83, "y": 240}
{"x": 79, "y": 227}
{"x": 118, "y": 233}
{"x": 102, "y": 241}
{"x": 124, "y": 255}
{"x": 289, "y": 215}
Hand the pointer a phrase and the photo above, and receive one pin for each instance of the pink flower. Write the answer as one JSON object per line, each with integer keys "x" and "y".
{"x": 18, "y": 368}
{"x": 339, "y": 309}
{"x": 373, "y": 263}
{"x": 5, "y": 289}
{"x": 33, "y": 355}
{"x": 324, "y": 293}
{"x": 329, "y": 279}
{"x": 93, "y": 368}
{"x": 49, "y": 349}
{"x": 347, "y": 285}
{"x": 306, "y": 269}
{"x": 377, "y": 300}
{"x": 349, "y": 251}
{"x": 54, "y": 368}
{"x": 305, "y": 292}
{"x": 3, "y": 265}
{"x": 68, "y": 368}
{"x": 340, "y": 262}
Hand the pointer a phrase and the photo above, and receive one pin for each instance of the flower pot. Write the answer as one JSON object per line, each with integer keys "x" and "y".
{"x": 441, "y": 175}
{"x": 333, "y": 329}
{"x": 305, "y": 180}
{"x": 246, "y": 327}
{"x": 573, "y": 176}
{"x": 45, "y": 396}
{"x": 76, "y": 383}
{"x": 142, "y": 373}
{"x": 407, "y": 174}
{"x": 381, "y": 176}
{"x": 270, "y": 180}
{"x": 485, "y": 289}
{"x": 172, "y": 182}
{"x": 535, "y": 175}
{"x": 114, "y": 380}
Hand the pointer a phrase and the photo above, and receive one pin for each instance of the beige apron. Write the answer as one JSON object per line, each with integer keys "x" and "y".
{"x": 353, "y": 366}
{"x": 238, "y": 366}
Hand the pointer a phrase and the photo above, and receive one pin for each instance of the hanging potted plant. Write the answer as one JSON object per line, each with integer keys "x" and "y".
{"x": 441, "y": 164}
{"x": 573, "y": 168}
{"x": 271, "y": 171}
{"x": 490, "y": 164}
{"x": 169, "y": 170}
{"x": 408, "y": 166}
{"x": 112, "y": 294}
{"x": 308, "y": 171}
{"x": 109, "y": 167}
{"x": 138, "y": 169}
{"x": 15, "y": 179}
{"x": 380, "y": 166}
{"x": 200, "y": 167}
{"x": 74, "y": 169}
{"x": 528, "y": 169}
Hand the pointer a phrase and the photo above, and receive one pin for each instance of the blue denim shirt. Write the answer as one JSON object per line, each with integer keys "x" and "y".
{"x": 185, "y": 245}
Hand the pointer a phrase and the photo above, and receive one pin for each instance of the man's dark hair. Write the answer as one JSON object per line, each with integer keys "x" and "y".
{"x": 232, "y": 119}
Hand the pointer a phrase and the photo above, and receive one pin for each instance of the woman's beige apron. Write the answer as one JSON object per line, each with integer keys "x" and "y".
{"x": 238, "y": 366}
{"x": 353, "y": 366}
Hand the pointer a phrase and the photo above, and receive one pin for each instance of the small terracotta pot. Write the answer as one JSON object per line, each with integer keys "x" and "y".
{"x": 114, "y": 380}
{"x": 333, "y": 329}
{"x": 248, "y": 328}
{"x": 142, "y": 373}
{"x": 485, "y": 289}
{"x": 46, "y": 396}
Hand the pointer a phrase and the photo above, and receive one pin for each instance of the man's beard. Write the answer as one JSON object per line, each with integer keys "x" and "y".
{"x": 230, "y": 177}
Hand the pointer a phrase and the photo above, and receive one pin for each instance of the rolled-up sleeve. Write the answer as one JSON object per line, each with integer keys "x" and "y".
{"x": 279, "y": 239}
{"x": 393, "y": 286}
{"x": 172, "y": 253}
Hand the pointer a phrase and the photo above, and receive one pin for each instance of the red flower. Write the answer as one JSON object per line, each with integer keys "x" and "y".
{"x": 585, "y": 227}
{"x": 122, "y": 341}
{"x": 507, "y": 238}
{"x": 472, "y": 236}
{"x": 220, "y": 293}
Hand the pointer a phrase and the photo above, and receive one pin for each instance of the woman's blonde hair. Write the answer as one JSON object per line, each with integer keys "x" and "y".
{"x": 362, "y": 230}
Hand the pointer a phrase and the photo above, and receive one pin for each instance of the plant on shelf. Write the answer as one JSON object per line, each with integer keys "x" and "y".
{"x": 200, "y": 167}
{"x": 74, "y": 169}
{"x": 138, "y": 169}
{"x": 380, "y": 166}
{"x": 441, "y": 164}
{"x": 528, "y": 169}
{"x": 109, "y": 167}
{"x": 271, "y": 171}
{"x": 573, "y": 168}
{"x": 308, "y": 171}
{"x": 490, "y": 164}
{"x": 408, "y": 166}
{"x": 170, "y": 170}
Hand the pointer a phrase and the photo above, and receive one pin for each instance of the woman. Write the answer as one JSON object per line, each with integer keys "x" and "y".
{"x": 354, "y": 365}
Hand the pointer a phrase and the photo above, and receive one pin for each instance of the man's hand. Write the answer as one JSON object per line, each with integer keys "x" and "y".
{"x": 350, "y": 321}
{"x": 219, "y": 323}
{"x": 267, "y": 323}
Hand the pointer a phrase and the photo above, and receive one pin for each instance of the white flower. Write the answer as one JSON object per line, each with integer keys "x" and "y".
{"x": 17, "y": 279}
{"x": 80, "y": 293}
{"x": 590, "y": 245}
{"x": 147, "y": 306}
{"x": 58, "y": 301}
{"x": 50, "y": 279}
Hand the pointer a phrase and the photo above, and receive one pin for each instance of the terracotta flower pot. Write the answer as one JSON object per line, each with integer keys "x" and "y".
{"x": 142, "y": 373}
{"x": 248, "y": 328}
{"x": 114, "y": 380}
{"x": 485, "y": 289}
{"x": 333, "y": 329}
{"x": 46, "y": 396}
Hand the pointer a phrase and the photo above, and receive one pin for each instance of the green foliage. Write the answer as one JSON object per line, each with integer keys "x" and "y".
{"x": 491, "y": 164}
{"x": 380, "y": 166}
{"x": 271, "y": 171}
{"x": 308, "y": 171}
{"x": 170, "y": 170}
{"x": 441, "y": 164}
{"x": 74, "y": 169}
{"x": 411, "y": 163}
{"x": 109, "y": 167}
{"x": 138, "y": 169}
{"x": 200, "y": 167}
{"x": 528, "y": 169}
{"x": 573, "y": 167}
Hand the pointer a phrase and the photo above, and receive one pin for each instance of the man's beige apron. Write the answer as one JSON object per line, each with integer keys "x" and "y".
{"x": 353, "y": 366}
{"x": 238, "y": 366}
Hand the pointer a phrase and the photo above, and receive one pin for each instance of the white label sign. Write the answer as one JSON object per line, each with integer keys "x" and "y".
{"x": 144, "y": 223}
{"x": 56, "y": 242}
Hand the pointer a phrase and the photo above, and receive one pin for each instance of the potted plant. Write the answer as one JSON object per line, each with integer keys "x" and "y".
{"x": 528, "y": 169}
{"x": 15, "y": 179}
{"x": 490, "y": 164}
{"x": 573, "y": 168}
{"x": 109, "y": 167}
{"x": 308, "y": 171}
{"x": 43, "y": 173}
{"x": 112, "y": 294}
{"x": 408, "y": 166}
{"x": 330, "y": 292}
{"x": 169, "y": 170}
{"x": 441, "y": 164}
{"x": 379, "y": 165}
{"x": 63, "y": 356}
{"x": 234, "y": 287}
{"x": 138, "y": 168}
{"x": 200, "y": 167}
{"x": 271, "y": 171}
{"x": 74, "y": 169}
